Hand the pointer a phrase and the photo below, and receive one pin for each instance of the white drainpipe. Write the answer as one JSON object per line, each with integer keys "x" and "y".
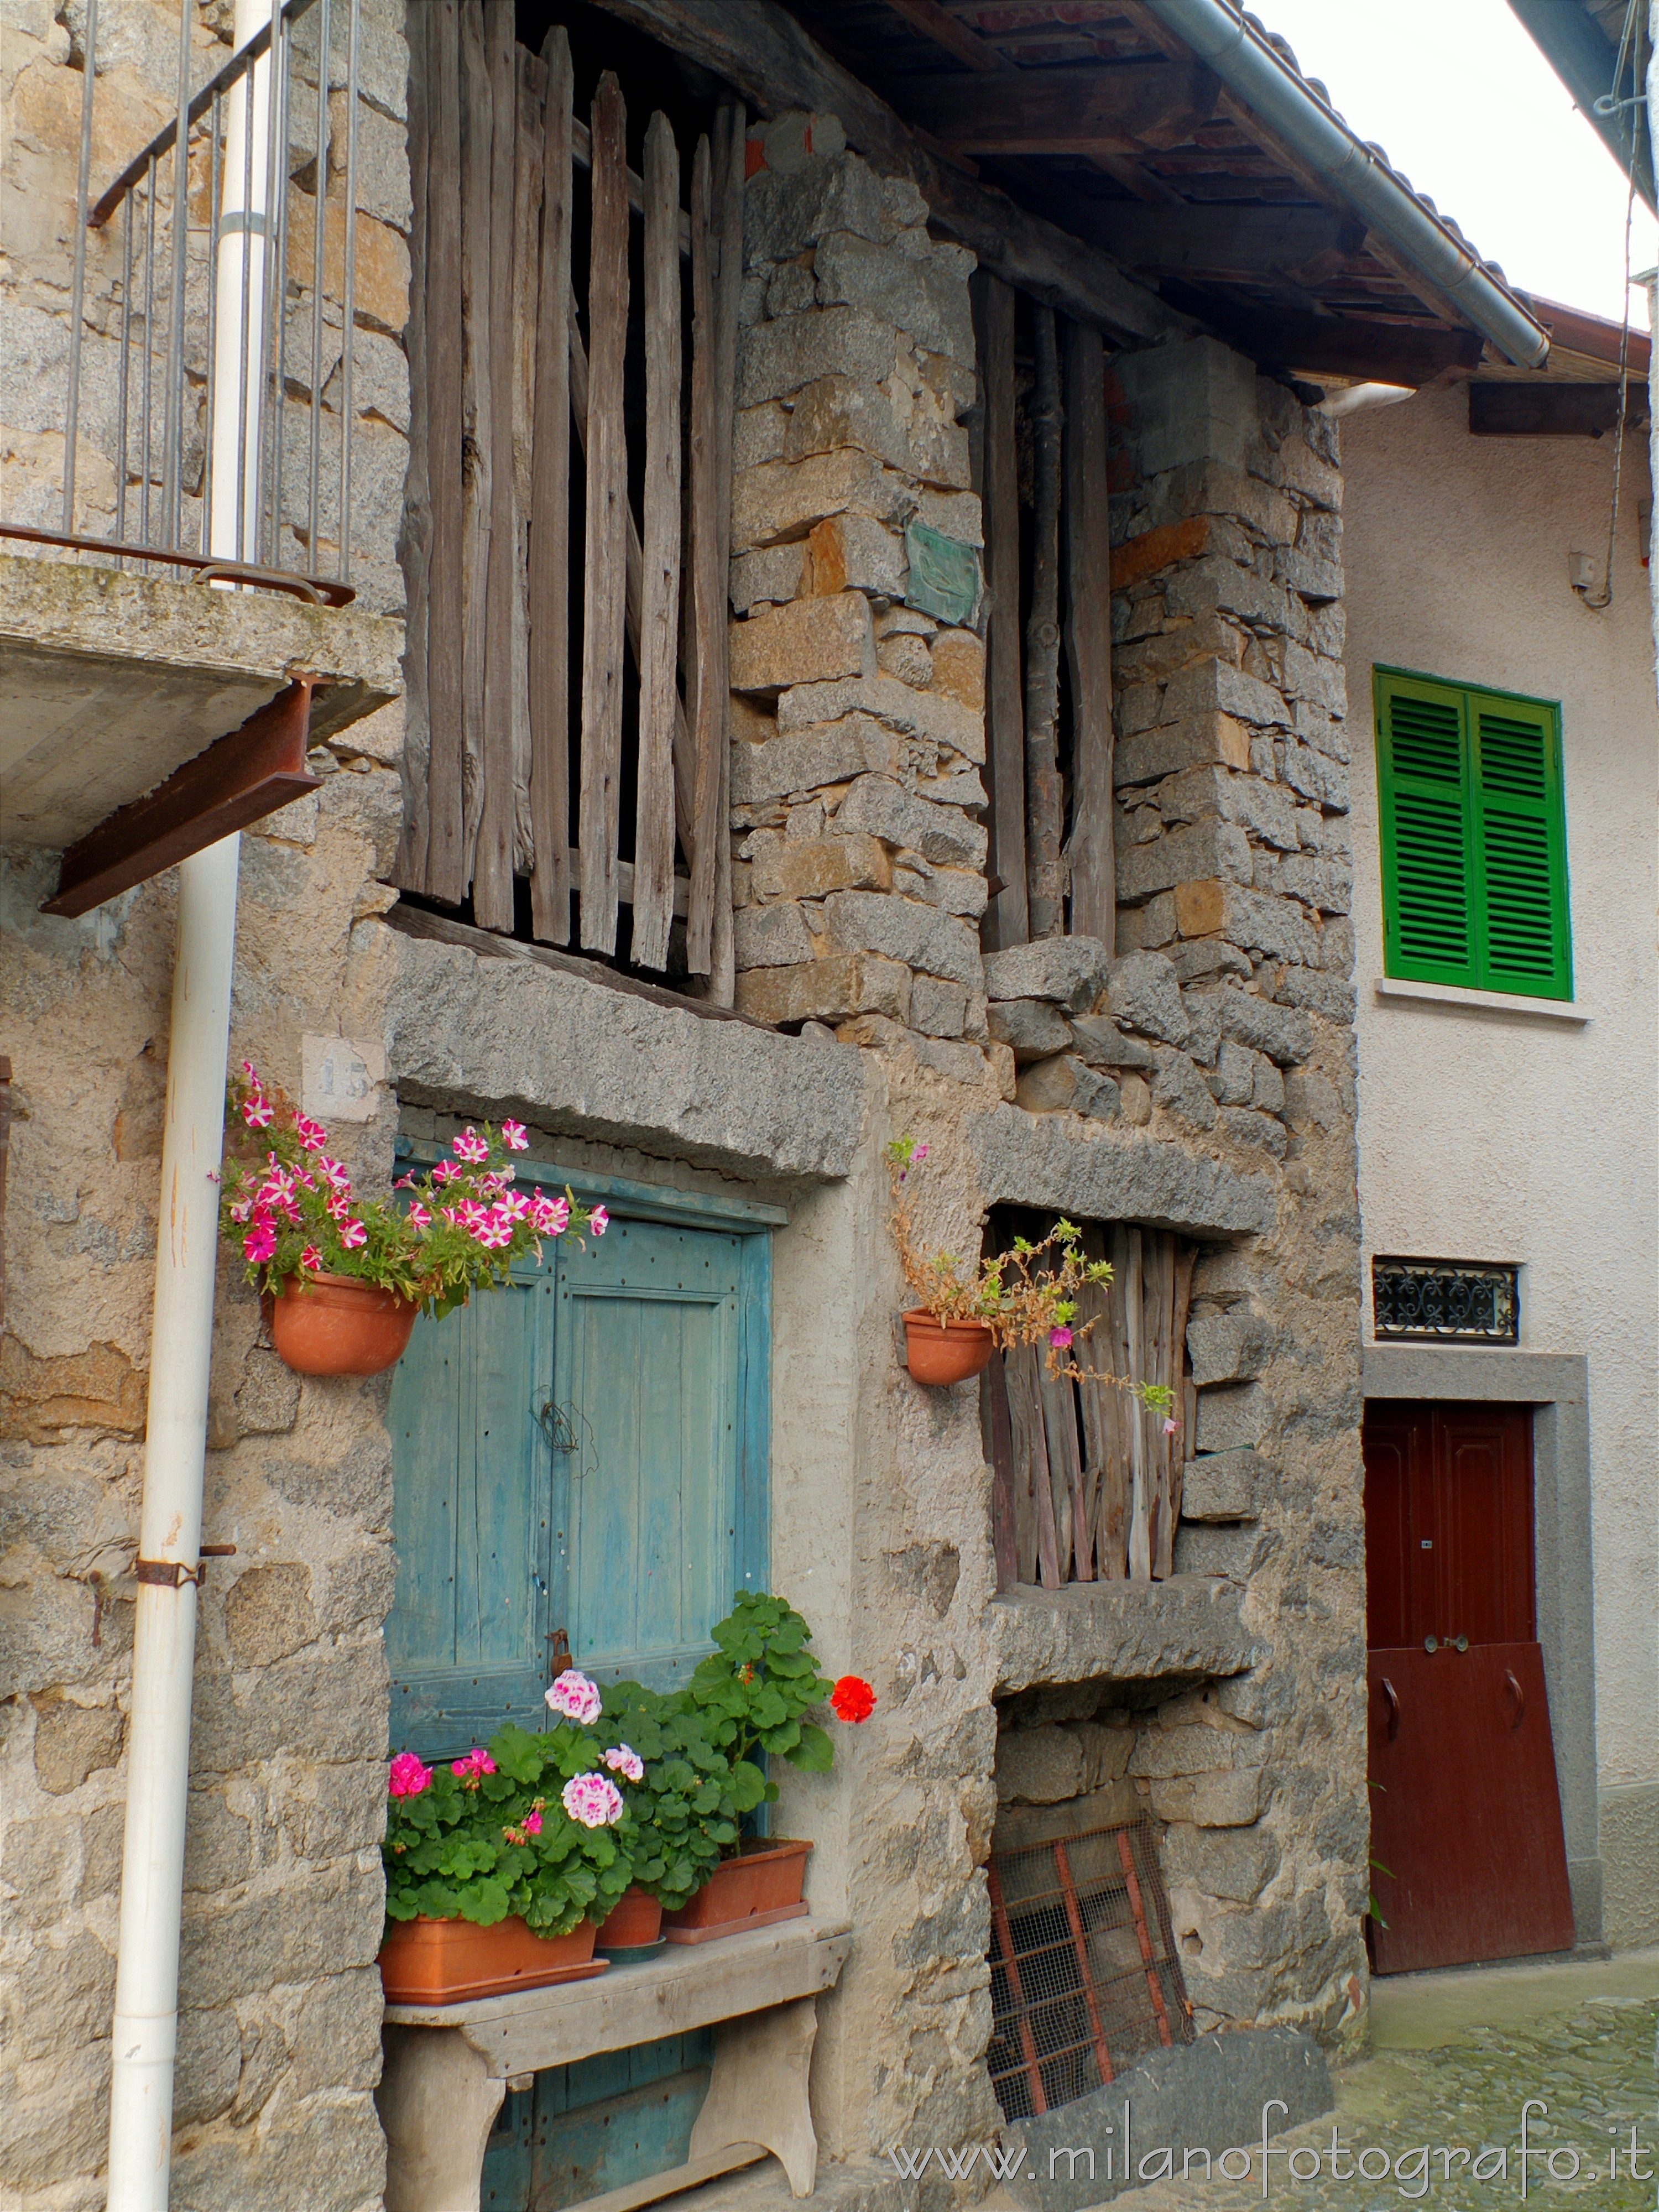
{"x": 181, "y": 1331}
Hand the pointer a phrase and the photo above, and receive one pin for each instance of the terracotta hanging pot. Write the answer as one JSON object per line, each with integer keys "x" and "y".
{"x": 946, "y": 1352}
{"x": 338, "y": 1325}
{"x": 633, "y": 1922}
{"x": 433, "y": 1962}
{"x": 764, "y": 1884}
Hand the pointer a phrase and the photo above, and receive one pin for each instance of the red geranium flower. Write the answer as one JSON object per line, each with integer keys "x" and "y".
{"x": 852, "y": 1698}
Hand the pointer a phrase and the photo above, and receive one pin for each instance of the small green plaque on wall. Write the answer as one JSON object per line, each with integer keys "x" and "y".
{"x": 944, "y": 574}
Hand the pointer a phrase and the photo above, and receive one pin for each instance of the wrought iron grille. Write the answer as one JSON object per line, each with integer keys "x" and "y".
{"x": 220, "y": 262}
{"x": 1462, "y": 1301}
{"x": 1084, "y": 1974}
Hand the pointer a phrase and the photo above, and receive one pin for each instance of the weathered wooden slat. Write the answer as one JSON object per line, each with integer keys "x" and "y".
{"x": 1045, "y": 887}
{"x": 707, "y": 586}
{"x": 606, "y": 578}
{"x": 653, "y": 829}
{"x": 492, "y": 872}
{"x": 1065, "y": 1471}
{"x": 415, "y": 539}
{"x": 1111, "y": 1341}
{"x": 1025, "y": 1407}
{"x": 1158, "y": 1279}
{"x": 728, "y": 155}
{"x": 1226, "y": 241}
{"x": 1007, "y": 919}
{"x": 477, "y": 441}
{"x": 527, "y": 298}
{"x": 548, "y": 564}
{"x": 445, "y": 861}
{"x": 1024, "y": 1428}
{"x": 999, "y": 1451}
{"x": 1127, "y": 1262}
{"x": 764, "y": 54}
{"x": 1124, "y": 107}
{"x": 1089, "y": 638}
{"x": 1180, "y": 1444}
{"x": 1100, "y": 1405}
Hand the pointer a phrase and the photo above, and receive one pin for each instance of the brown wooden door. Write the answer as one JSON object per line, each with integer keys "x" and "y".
{"x": 1466, "y": 1817}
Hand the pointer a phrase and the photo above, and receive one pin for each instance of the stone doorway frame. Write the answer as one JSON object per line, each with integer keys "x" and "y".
{"x": 1556, "y": 1385}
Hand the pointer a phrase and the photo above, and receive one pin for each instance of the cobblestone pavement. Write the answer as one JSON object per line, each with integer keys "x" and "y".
{"x": 1455, "y": 2058}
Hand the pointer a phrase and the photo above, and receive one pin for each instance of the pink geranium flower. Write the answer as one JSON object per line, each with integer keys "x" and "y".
{"x": 409, "y": 1778}
{"x": 1061, "y": 1339}
{"x": 593, "y": 1799}
{"x": 532, "y": 1824}
{"x": 475, "y": 1763}
{"x": 470, "y": 1146}
{"x": 628, "y": 1763}
{"x": 599, "y": 1221}
{"x": 574, "y": 1696}
{"x": 261, "y": 1239}
{"x": 514, "y": 1137}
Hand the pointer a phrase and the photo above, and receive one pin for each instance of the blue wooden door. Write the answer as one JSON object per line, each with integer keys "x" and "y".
{"x": 585, "y": 1451}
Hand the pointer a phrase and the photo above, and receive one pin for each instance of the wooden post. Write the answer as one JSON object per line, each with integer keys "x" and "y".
{"x": 446, "y": 859}
{"x": 604, "y": 605}
{"x": 708, "y": 586}
{"x": 1089, "y": 638}
{"x": 1004, "y": 1513}
{"x": 1006, "y": 918}
{"x": 549, "y": 585}
{"x": 654, "y": 821}
{"x": 1045, "y": 882}
{"x": 729, "y": 152}
{"x": 492, "y": 875}
{"x": 526, "y": 319}
{"x": 415, "y": 540}
{"x": 478, "y": 442}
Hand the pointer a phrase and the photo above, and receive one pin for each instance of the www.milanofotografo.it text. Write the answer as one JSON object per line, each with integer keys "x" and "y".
{"x": 1525, "y": 2164}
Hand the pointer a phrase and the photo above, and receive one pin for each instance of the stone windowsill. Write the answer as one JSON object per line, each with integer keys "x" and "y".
{"x": 1120, "y": 1631}
{"x": 1484, "y": 1002}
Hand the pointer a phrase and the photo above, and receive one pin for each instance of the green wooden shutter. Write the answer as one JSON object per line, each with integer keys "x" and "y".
{"x": 1473, "y": 838}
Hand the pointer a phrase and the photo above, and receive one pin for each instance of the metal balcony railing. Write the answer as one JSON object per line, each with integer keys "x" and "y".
{"x": 208, "y": 398}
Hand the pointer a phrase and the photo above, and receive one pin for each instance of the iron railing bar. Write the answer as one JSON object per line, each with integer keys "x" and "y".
{"x": 216, "y": 197}
{"x": 271, "y": 286}
{"x": 173, "y": 433}
{"x": 149, "y": 344}
{"x": 83, "y": 186}
{"x": 279, "y": 250}
{"x": 328, "y": 589}
{"x": 241, "y": 547}
{"x": 319, "y": 236}
{"x": 349, "y": 326}
{"x": 243, "y": 57}
{"x": 125, "y": 377}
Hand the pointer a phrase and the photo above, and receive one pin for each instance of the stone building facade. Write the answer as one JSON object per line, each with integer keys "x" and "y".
{"x": 1198, "y": 1078}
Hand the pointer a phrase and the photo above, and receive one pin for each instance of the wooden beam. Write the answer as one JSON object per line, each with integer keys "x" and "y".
{"x": 1220, "y": 240}
{"x": 763, "y": 53}
{"x": 1344, "y": 345}
{"x": 1127, "y": 107}
{"x": 240, "y": 778}
{"x": 1551, "y": 411}
{"x": 950, "y": 31}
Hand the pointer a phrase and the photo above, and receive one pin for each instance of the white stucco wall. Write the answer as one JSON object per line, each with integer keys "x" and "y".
{"x": 1488, "y": 1135}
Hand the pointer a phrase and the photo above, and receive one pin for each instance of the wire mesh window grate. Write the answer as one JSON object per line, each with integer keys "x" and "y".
{"x": 1084, "y": 1974}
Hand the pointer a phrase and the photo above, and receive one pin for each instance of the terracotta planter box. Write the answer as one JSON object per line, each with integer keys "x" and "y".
{"x": 335, "y": 1325}
{"x": 762, "y": 1886}
{"x": 433, "y": 1962}
{"x": 946, "y": 1352}
{"x": 635, "y": 1921}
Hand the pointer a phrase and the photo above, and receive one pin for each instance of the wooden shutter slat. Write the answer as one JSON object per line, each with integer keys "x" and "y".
{"x": 653, "y": 830}
{"x": 1006, "y": 920}
{"x": 1089, "y": 638}
{"x": 415, "y": 542}
{"x": 478, "y": 442}
{"x": 1526, "y": 943}
{"x": 1428, "y": 860}
{"x": 548, "y": 565}
{"x": 446, "y": 872}
{"x": 605, "y": 600}
{"x": 707, "y": 587}
{"x": 527, "y": 318}
{"x": 728, "y": 155}
{"x": 492, "y": 879}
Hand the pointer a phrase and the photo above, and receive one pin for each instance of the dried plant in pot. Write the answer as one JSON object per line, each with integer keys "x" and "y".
{"x": 342, "y": 1276}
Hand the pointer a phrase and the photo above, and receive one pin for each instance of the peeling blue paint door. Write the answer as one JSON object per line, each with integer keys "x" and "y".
{"x": 584, "y": 1450}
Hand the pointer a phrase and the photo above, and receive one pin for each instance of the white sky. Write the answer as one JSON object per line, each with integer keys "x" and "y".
{"x": 1464, "y": 105}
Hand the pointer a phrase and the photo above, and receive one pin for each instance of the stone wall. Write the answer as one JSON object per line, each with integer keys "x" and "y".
{"x": 279, "y": 2022}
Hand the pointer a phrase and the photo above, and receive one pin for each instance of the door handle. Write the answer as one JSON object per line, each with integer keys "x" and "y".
{"x": 1519, "y": 1696}
{"x": 1393, "y": 1697}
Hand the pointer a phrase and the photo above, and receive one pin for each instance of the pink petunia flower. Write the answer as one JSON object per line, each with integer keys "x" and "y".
{"x": 1172, "y": 1428}
{"x": 550, "y": 1217}
{"x": 261, "y": 1239}
{"x": 409, "y": 1778}
{"x": 312, "y": 1135}
{"x": 470, "y": 1146}
{"x": 259, "y": 1112}
{"x": 446, "y": 1171}
{"x": 332, "y": 1173}
{"x": 514, "y": 1137}
{"x": 494, "y": 1232}
{"x": 1061, "y": 1339}
{"x": 471, "y": 1216}
{"x": 312, "y": 1258}
{"x": 353, "y": 1235}
{"x": 593, "y": 1799}
{"x": 420, "y": 1217}
{"x": 574, "y": 1696}
{"x": 628, "y": 1763}
{"x": 599, "y": 1221}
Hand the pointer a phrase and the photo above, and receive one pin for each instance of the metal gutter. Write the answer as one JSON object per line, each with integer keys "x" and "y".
{"x": 1219, "y": 35}
{"x": 1587, "y": 63}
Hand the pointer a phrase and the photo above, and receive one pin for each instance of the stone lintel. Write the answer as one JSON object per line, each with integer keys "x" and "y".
{"x": 508, "y": 1035}
{"x": 1043, "y": 1160}
{"x": 1120, "y": 1632}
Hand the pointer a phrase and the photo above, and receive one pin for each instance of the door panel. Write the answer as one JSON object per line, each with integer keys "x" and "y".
{"x": 467, "y": 1635}
{"x": 649, "y": 1370}
{"x": 1466, "y": 1818}
{"x": 1449, "y": 1523}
